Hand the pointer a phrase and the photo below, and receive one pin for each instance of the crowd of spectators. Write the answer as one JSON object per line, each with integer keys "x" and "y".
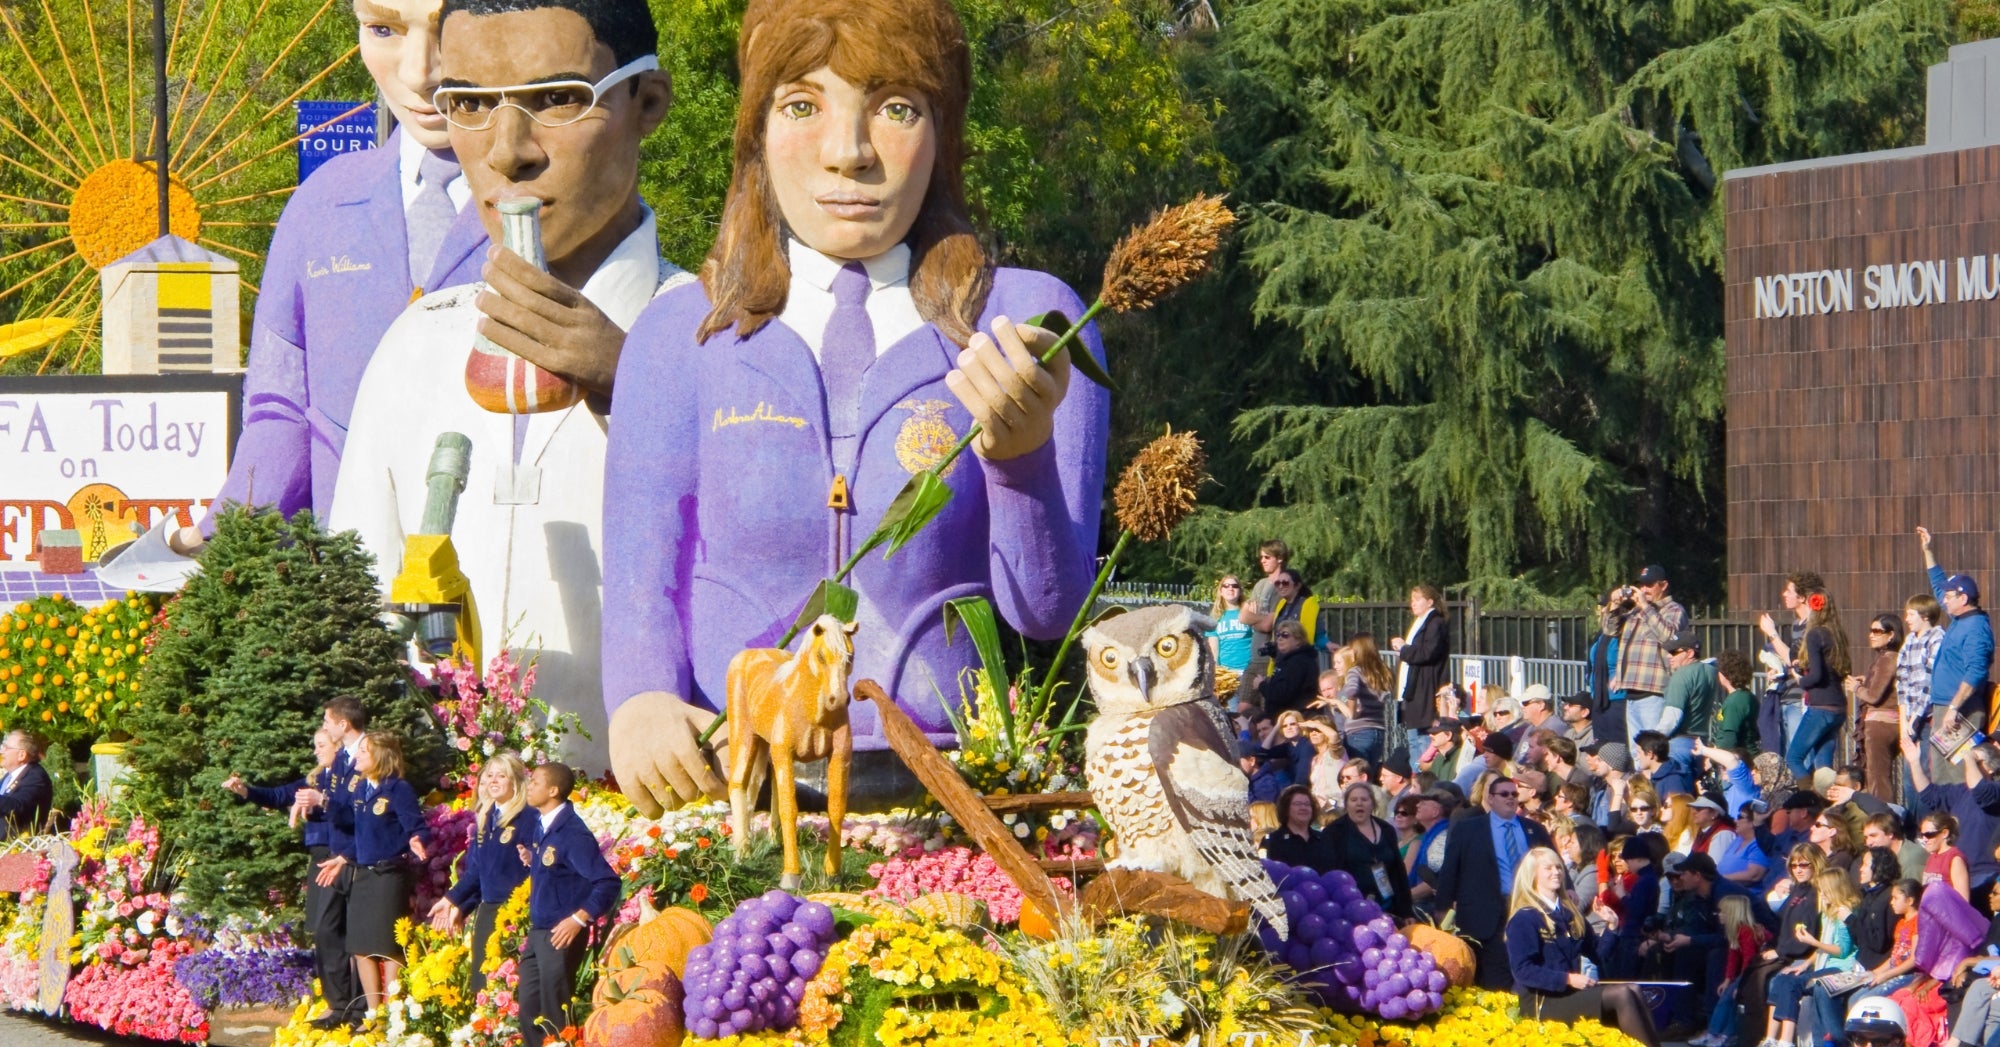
{"x": 1686, "y": 848}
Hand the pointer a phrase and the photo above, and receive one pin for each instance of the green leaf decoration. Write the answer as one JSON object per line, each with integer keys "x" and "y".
{"x": 983, "y": 625}
{"x": 1080, "y": 358}
{"x": 829, "y": 597}
{"x": 917, "y": 504}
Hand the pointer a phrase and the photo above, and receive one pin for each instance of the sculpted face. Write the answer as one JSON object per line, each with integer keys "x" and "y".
{"x": 586, "y": 173}
{"x": 849, "y": 166}
{"x": 399, "y": 45}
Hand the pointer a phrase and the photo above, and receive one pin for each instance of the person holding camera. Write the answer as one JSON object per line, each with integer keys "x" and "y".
{"x": 1294, "y": 679}
{"x": 1643, "y": 618}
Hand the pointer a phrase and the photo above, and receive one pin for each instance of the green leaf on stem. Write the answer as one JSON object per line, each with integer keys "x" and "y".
{"x": 917, "y": 504}
{"x": 829, "y": 597}
{"x": 1080, "y": 357}
{"x": 983, "y": 626}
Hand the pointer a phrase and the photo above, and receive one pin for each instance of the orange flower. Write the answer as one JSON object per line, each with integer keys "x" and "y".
{"x": 698, "y": 893}
{"x": 653, "y": 831}
{"x": 702, "y": 842}
{"x": 673, "y": 853}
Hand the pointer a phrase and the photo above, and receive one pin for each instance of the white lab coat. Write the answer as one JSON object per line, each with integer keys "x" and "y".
{"x": 535, "y": 568}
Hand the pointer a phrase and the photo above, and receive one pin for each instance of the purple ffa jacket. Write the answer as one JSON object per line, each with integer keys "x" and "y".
{"x": 716, "y": 517}
{"x": 338, "y": 274}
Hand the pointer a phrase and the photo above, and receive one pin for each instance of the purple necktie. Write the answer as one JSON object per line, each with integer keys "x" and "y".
{"x": 430, "y": 215}
{"x": 844, "y": 355}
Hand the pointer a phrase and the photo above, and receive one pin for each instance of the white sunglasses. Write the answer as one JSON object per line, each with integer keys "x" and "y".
{"x": 552, "y": 104}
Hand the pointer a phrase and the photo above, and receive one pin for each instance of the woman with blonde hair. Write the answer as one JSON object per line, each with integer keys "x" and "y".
{"x": 1547, "y": 944}
{"x": 1229, "y": 641}
{"x": 1832, "y": 951}
{"x": 491, "y": 869}
{"x": 1329, "y": 759}
{"x": 389, "y": 839}
{"x": 1642, "y": 807}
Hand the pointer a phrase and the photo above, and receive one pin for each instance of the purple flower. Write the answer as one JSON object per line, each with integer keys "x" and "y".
{"x": 246, "y": 978}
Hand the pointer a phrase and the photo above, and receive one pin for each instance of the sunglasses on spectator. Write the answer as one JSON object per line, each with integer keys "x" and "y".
{"x": 1640, "y": 807}
{"x": 1931, "y": 834}
{"x": 1878, "y": 630}
{"x": 1801, "y": 865}
{"x": 1231, "y": 585}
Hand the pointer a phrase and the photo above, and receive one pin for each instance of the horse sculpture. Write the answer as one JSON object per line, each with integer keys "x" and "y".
{"x": 789, "y": 709}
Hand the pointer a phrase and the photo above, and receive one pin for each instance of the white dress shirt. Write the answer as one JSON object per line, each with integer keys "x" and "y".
{"x": 809, "y": 305}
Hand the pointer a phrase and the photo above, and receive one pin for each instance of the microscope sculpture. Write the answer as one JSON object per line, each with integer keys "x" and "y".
{"x": 431, "y": 589}
{"x": 786, "y": 709}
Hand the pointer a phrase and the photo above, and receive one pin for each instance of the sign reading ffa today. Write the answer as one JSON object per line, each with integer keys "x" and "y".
{"x": 1903, "y": 284}
{"x": 106, "y": 464}
{"x": 328, "y": 129}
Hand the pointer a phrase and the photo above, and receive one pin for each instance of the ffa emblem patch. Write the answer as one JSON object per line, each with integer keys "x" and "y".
{"x": 925, "y": 437}
{"x": 381, "y": 805}
{"x": 548, "y": 856}
{"x": 507, "y": 835}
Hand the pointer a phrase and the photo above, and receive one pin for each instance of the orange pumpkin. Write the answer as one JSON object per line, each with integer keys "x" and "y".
{"x": 1035, "y": 923}
{"x": 1453, "y": 955}
{"x": 648, "y": 1016}
{"x": 665, "y": 938}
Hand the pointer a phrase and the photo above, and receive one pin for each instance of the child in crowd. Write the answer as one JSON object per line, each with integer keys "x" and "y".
{"x": 1746, "y": 940}
{"x": 1833, "y": 950}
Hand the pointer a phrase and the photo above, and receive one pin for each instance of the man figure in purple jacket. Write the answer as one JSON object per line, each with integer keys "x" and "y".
{"x": 366, "y": 235}
{"x": 837, "y": 344}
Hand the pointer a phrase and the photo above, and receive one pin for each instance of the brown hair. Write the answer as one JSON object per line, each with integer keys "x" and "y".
{"x": 918, "y": 44}
{"x": 1926, "y": 607}
{"x": 1368, "y": 658}
{"x": 387, "y": 749}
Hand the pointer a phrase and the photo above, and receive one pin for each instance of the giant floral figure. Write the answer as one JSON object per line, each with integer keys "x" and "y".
{"x": 847, "y": 328}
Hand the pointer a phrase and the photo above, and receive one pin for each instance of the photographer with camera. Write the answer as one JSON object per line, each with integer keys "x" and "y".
{"x": 1294, "y": 679}
{"x": 1643, "y": 618}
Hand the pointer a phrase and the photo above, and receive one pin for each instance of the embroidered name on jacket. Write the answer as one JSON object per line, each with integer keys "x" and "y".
{"x": 761, "y": 413}
{"x": 336, "y": 264}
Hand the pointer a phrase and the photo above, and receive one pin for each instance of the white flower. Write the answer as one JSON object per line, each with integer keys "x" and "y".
{"x": 1021, "y": 830}
{"x": 147, "y": 920}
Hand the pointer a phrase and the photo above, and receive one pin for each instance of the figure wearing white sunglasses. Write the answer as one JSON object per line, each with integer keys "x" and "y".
{"x": 549, "y": 102}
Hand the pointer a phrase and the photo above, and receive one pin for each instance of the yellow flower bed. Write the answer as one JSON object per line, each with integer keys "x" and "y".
{"x": 1488, "y": 1019}
{"x": 71, "y": 673}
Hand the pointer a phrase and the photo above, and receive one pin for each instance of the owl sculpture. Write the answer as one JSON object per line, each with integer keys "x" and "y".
{"x": 1161, "y": 760}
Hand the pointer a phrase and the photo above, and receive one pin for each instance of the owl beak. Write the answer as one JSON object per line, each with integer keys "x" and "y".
{"x": 1141, "y": 672}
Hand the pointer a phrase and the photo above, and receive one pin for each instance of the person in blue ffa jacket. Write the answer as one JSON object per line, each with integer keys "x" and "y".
{"x": 329, "y": 942}
{"x": 343, "y": 718}
{"x": 570, "y": 886}
{"x": 389, "y": 832}
{"x": 492, "y": 867}
{"x": 1547, "y": 940}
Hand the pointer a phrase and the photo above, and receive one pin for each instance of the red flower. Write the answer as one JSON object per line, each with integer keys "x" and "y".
{"x": 702, "y": 842}
{"x": 698, "y": 893}
{"x": 1816, "y": 602}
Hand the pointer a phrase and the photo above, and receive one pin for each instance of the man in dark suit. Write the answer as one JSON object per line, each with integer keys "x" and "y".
{"x": 1481, "y": 853}
{"x": 1423, "y": 665}
{"x": 25, "y": 790}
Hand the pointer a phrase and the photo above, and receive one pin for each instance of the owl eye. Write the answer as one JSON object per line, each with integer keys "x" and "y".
{"x": 1167, "y": 646}
{"x": 1108, "y": 658}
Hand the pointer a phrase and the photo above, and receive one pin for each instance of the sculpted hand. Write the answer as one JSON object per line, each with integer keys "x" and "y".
{"x": 547, "y": 322}
{"x": 1010, "y": 396}
{"x": 186, "y": 541}
{"x": 655, "y": 756}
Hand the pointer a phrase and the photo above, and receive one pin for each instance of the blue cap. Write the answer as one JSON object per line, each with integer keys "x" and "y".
{"x": 1963, "y": 583}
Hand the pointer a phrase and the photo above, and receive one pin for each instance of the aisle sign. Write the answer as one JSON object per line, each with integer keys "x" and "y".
{"x": 106, "y": 463}
{"x": 328, "y": 129}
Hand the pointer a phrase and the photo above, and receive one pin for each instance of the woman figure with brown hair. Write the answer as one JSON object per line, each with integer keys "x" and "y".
{"x": 1821, "y": 663}
{"x": 847, "y": 329}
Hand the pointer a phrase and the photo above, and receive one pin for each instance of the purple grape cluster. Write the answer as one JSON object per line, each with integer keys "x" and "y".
{"x": 1347, "y": 951}
{"x": 752, "y": 975}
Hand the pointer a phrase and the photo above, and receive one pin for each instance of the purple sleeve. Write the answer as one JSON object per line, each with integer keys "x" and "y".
{"x": 272, "y": 464}
{"x": 1044, "y": 505}
{"x": 649, "y": 513}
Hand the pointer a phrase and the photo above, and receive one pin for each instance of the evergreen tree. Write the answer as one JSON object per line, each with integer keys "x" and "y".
{"x": 1493, "y": 231}
{"x": 281, "y": 618}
